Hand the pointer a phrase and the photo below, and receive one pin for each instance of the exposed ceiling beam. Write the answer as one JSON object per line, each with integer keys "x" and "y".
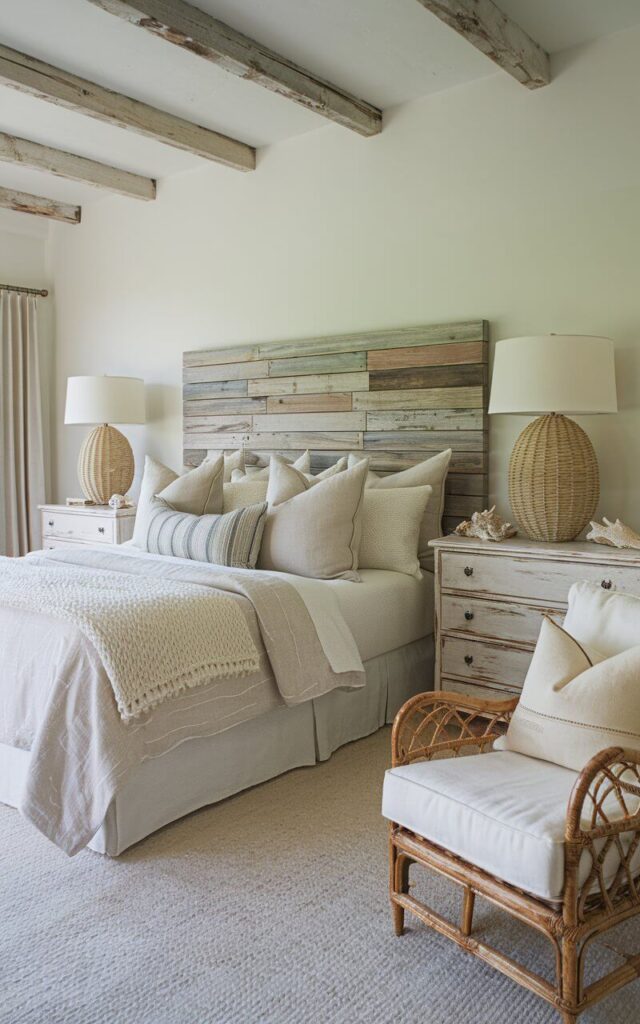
{"x": 35, "y": 77}
{"x": 24, "y": 202}
{"x": 485, "y": 26}
{"x": 200, "y": 33}
{"x": 14, "y": 150}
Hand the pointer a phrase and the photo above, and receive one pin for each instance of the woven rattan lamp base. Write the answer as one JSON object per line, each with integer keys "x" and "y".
{"x": 105, "y": 464}
{"x": 554, "y": 485}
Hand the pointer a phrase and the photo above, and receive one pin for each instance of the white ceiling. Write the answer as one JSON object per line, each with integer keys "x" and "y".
{"x": 386, "y": 51}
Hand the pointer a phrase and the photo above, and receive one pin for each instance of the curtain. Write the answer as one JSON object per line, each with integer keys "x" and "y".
{"x": 22, "y": 475}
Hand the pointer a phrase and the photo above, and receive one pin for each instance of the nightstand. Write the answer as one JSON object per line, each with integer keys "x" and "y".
{"x": 65, "y": 526}
{"x": 490, "y": 599}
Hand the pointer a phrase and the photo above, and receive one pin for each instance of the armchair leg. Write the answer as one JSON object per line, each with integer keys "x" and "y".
{"x": 399, "y": 864}
{"x": 570, "y": 979}
{"x": 468, "y": 902}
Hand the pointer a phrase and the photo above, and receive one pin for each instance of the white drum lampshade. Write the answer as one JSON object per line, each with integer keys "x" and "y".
{"x": 554, "y": 483}
{"x": 105, "y": 464}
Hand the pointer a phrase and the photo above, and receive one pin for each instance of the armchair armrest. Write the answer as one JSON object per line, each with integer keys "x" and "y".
{"x": 440, "y": 722}
{"x": 602, "y": 835}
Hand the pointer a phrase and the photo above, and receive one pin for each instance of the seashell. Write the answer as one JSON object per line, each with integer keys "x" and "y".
{"x": 616, "y": 535}
{"x": 487, "y": 525}
{"x": 118, "y": 501}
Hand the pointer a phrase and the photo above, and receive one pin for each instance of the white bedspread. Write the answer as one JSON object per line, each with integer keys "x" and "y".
{"x": 55, "y": 697}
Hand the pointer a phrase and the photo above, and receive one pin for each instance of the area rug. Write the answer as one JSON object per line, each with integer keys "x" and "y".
{"x": 269, "y": 908}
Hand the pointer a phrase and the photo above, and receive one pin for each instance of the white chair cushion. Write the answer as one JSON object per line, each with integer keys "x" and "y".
{"x": 603, "y": 619}
{"x": 503, "y": 812}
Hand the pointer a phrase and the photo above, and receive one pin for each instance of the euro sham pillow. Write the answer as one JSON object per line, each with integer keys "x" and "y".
{"x": 432, "y": 473}
{"x": 243, "y": 492}
{"x": 198, "y": 491}
{"x": 303, "y": 463}
{"x": 575, "y": 702}
{"x": 313, "y": 530}
{"x": 391, "y": 522}
{"x": 233, "y": 539}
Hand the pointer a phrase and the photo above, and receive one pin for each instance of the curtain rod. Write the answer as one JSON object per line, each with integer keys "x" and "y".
{"x": 25, "y": 291}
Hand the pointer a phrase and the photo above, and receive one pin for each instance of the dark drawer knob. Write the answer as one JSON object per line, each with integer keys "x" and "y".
{"x": 468, "y": 571}
{"x": 101, "y": 529}
{"x": 51, "y": 522}
{"x": 468, "y": 659}
{"x": 605, "y": 584}
{"x": 468, "y": 616}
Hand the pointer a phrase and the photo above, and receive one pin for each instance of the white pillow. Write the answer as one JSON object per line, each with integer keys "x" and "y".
{"x": 198, "y": 492}
{"x": 603, "y": 618}
{"x": 391, "y": 521}
{"x": 433, "y": 473}
{"x": 232, "y": 460}
{"x": 575, "y": 702}
{"x": 313, "y": 530}
{"x": 303, "y": 463}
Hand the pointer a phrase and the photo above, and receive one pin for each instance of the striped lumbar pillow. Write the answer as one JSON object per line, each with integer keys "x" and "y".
{"x": 232, "y": 539}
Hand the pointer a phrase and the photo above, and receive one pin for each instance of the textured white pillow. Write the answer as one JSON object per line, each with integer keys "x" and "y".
{"x": 198, "y": 492}
{"x": 433, "y": 473}
{"x": 575, "y": 702}
{"x": 240, "y": 493}
{"x": 313, "y": 530}
{"x": 391, "y": 521}
{"x": 603, "y": 618}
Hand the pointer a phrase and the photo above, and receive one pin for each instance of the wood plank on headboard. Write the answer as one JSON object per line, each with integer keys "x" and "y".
{"x": 397, "y": 396}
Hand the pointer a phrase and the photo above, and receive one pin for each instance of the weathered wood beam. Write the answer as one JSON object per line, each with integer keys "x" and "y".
{"x": 36, "y": 78}
{"x": 194, "y": 30}
{"x": 485, "y": 26}
{"x": 14, "y": 150}
{"x": 24, "y": 202}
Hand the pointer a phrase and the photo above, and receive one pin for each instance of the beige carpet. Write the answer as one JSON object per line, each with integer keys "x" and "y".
{"x": 270, "y": 908}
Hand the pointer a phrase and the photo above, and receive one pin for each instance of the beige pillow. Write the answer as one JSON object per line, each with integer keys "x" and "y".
{"x": 303, "y": 463}
{"x": 574, "y": 702}
{"x": 337, "y": 467}
{"x": 232, "y": 460}
{"x": 391, "y": 521}
{"x": 240, "y": 493}
{"x": 198, "y": 492}
{"x": 433, "y": 473}
{"x": 313, "y": 530}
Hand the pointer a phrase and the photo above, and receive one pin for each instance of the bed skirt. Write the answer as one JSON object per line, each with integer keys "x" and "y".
{"x": 202, "y": 771}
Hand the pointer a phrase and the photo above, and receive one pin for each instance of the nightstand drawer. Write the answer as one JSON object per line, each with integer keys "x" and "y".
{"x": 78, "y": 526}
{"x": 484, "y": 662}
{"x": 535, "y": 579}
{"x": 485, "y": 692}
{"x": 501, "y": 620}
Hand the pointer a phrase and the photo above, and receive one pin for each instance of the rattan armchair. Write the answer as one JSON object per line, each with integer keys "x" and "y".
{"x": 444, "y": 724}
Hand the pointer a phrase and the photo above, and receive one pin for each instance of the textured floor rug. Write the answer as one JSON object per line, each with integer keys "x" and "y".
{"x": 270, "y": 908}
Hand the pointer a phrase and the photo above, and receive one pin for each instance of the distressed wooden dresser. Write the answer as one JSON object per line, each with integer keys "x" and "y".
{"x": 490, "y": 599}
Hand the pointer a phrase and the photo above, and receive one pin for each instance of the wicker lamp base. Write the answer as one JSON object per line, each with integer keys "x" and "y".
{"x": 105, "y": 464}
{"x": 554, "y": 485}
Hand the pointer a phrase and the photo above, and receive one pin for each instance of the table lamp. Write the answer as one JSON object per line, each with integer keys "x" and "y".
{"x": 554, "y": 484}
{"x": 105, "y": 463}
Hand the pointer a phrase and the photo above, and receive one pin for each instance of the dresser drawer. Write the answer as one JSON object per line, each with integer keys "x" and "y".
{"x": 501, "y": 620}
{"x": 530, "y": 578}
{"x": 49, "y": 543}
{"x": 77, "y": 526}
{"x": 484, "y": 662}
{"x": 483, "y": 692}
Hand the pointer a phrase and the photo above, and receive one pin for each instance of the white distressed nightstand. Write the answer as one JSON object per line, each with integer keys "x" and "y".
{"x": 490, "y": 598}
{"x": 63, "y": 525}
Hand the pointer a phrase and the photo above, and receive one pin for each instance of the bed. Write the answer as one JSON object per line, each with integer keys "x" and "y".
{"x": 190, "y": 754}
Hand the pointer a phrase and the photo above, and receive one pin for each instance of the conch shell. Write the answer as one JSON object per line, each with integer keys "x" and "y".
{"x": 616, "y": 535}
{"x": 487, "y": 525}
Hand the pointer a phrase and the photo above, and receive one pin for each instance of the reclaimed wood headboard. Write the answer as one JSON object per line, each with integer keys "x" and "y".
{"x": 395, "y": 395}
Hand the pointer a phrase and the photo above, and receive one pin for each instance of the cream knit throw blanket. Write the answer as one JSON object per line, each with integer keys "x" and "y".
{"x": 155, "y": 637}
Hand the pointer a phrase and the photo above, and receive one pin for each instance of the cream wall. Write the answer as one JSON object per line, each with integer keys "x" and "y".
{"x": 23, "y": 262}
{"x": 486, "y": 200}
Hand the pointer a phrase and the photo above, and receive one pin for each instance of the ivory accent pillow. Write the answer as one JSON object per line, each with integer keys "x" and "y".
{"x": 232, "y": 461}
{"x": 199, "y": 492}
{"x": 433, "y": 473}
{"x": 303, "y": 463}
{"x": 246, "y": 491}
{"x": 574, "y": 702}
{"x": 391, "y": 521}
{"x": 232, "y": 539}
{"x": 337, "y": 467}
{"x": 608, "y": 620}
{"x": 314, "y": 530}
